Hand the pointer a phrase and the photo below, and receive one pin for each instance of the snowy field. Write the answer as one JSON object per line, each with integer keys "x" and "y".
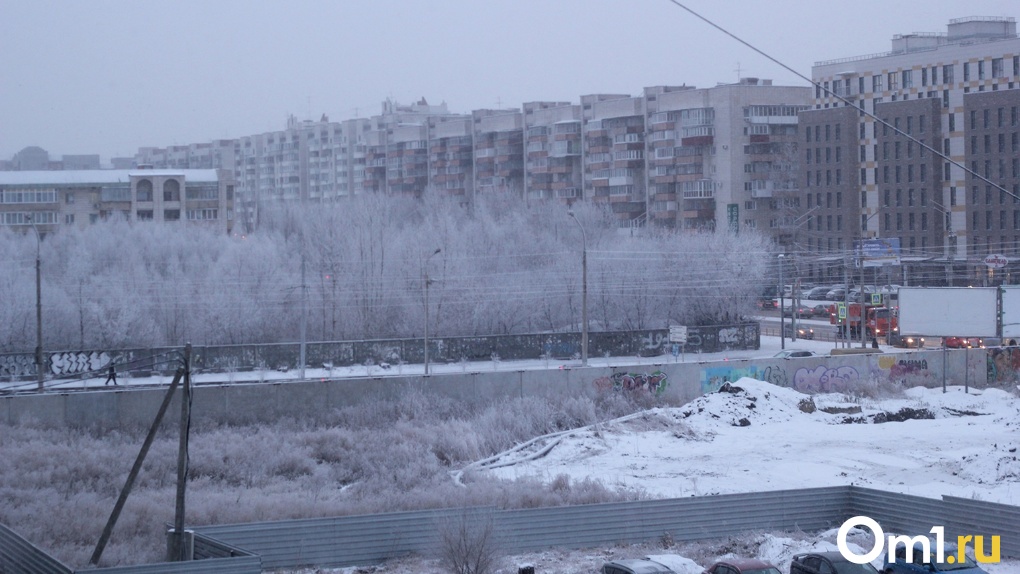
{"x": 720, "y": 443}
{"x": 761, "y": 438}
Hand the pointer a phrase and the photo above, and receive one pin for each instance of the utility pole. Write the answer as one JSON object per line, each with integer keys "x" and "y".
{"x": 135, "y": 469}
{"x": 584, "y": 291}
{"x": 782, "y": 294}
{"x": 427, "y": 282}
{"x": 39, "y": 363}
{"x": 304, "y": 312}
{"x": 177, "y": 547}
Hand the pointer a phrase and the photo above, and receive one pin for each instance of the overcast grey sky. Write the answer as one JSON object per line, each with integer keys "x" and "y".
{"x": 109, "y": 76}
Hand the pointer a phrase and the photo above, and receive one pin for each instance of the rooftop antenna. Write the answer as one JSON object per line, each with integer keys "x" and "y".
{"x": 738, "y": 72}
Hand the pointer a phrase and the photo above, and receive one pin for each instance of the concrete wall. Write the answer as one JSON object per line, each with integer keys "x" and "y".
{"x": 672, "y": 382}
{"x": 227, "y": 358}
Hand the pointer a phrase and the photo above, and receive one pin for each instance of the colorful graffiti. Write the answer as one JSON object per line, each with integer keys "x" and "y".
{"x": 714, "y": 377}
{"x": 906, "y": 371}
{"x": 654, "y": 383}
{"x": 70, "y": 363}
{"x": 1003, "y": 365}
{"x": 823, "y": 379}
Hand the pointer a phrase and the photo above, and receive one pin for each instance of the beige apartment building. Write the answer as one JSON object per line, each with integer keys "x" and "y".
{"x": 50, "y": 200}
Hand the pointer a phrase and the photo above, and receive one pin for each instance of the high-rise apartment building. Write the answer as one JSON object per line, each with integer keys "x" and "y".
{"x": 724, "y": 156}
{"x": 901, "y": 114}
{"x": 676, "y": 156}
{"x": 552, "y": 163}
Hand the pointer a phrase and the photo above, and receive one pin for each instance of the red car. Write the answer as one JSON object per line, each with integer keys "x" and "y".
{"x": 963, "y": 343}
{"x": 741, "y": 566}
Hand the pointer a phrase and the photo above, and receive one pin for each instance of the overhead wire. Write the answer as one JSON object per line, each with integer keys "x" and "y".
{"x": 846, "y": 101}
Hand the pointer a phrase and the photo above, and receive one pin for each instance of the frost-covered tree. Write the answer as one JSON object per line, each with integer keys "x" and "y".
{"x": 503, "y": 267}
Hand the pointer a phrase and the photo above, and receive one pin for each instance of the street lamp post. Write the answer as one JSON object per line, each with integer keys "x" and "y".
{"x": 584, "y": 291}
{"x": 38, "y": 305}
{"x": 427, "y": 283}
{"x": 782, "y": 318}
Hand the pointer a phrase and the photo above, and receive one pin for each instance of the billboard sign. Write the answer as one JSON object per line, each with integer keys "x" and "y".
{"x": 878, "y": 252}
{"x": 949, "y": 311}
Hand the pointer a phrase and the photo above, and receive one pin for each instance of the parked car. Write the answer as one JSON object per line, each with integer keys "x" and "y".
{"x": 827, "y": 563}
{"x": 913, "y": 562}
{"x": 741, "y": 566}
{"x": 635, "y": 566}
{"x": 963, "y": 342}
{"x": 802, "y": 332}
{"x": 794, "y": 354}
{"x": 836, "y": 294}
{"x": 817, "y": 293}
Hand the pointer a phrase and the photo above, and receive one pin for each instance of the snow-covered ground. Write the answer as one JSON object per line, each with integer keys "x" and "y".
{"x": 751, "y": 439}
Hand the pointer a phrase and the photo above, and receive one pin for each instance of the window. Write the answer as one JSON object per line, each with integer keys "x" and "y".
{"x": 143, "y": 190}
{"x": 921, "y": 123}
{"x": 981, "y": 69}
{"x": 144, "y": 215}
{"x": 864, "y": 199}
{"x": 924, "y": 76}
{"x": 171, "y": 215}
{"x": 876, "y": 83}
{"x": 30, "y": 196}
{"x": 906, "y": 78}
{"x": 966, "y": 71}
{"x": 893, "y": 81}
{"x": 202, "y": 214}
{"x": 68, "y": 218}
{"x": 171, "y": 190}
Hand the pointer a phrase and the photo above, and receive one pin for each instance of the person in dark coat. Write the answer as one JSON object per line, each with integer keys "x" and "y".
{"x": 111, "y": 376}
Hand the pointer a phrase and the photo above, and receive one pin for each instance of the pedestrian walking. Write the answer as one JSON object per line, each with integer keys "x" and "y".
{"x": 111, "y": 376}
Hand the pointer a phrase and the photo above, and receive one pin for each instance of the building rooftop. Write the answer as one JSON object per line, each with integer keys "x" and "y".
{"x": 87, "y": 176}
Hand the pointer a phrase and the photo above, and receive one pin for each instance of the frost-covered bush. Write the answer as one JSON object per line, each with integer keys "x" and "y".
{"x": 378, "y": 456}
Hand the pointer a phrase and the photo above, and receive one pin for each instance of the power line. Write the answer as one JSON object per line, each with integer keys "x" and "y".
{"x": 860, "y": 108}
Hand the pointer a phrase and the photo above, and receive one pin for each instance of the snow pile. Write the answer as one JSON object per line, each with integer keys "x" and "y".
{"x": 746, "y": 402}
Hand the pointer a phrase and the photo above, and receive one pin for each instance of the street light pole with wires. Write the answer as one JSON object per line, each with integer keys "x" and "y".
{"x": 38, "y": 304}
{"x": 584, "y": 291}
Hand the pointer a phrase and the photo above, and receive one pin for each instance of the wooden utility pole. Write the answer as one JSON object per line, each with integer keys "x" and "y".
{"x": 129, "y": 484}
{"x": 176, "y": 550}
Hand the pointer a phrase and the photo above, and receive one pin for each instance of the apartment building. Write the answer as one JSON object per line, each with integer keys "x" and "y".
{"x": 552, "y": 162}
{"x": 54, "y": 199}
{"x": 498, "y": 151}
{"x": 724, "y": 157}
{"x": 932, "y": 125}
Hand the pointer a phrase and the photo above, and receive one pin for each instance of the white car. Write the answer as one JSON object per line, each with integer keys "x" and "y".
{"x": 794, "y": 354}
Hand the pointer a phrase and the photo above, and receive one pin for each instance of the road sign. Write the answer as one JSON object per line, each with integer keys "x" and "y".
{"x": 841, "y": 310}
{"x": 876, "y": 298}
{"x": 678, "y": 334}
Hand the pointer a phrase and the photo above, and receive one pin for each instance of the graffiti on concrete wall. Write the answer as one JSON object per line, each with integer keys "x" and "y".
{"x": 714, "y": 377}
{"x": 654, "y": 382}
{"x": 1003, "y": 365}
{"x": 17, "y": 365}
{"x": 904, "y": 371}
{"x": 73, "y": 363}
{"x": 824, "y": 379}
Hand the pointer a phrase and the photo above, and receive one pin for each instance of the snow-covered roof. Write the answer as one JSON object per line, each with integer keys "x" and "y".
{"x": 99, "y": 176}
